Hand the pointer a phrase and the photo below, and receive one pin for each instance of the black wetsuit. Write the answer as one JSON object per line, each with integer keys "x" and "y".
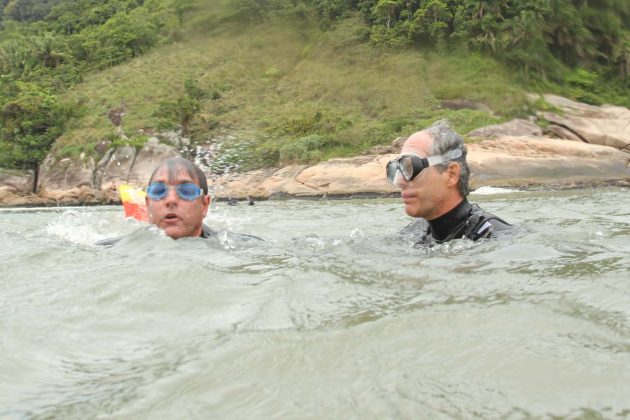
{"x": 464, "y": 221}
{"x": 206, "y": 233}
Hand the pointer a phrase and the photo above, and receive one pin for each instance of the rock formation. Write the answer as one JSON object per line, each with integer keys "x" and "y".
{"x": 16, "y": 180}
{"x": 507, "y": 161}
{"x": 605, "y": 125}
{"x": 515, "y": 128}
{"x": 512, "y": 154}
{"x": 66, "y": 173}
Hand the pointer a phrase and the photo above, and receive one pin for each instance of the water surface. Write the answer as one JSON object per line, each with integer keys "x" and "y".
{"x": 332, "y": 317}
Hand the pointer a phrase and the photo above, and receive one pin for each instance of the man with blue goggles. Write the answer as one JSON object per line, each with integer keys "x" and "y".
{"x": 177, "y": 201}
{"x": 432, "y": 174}
{"x": 177, "y": 198}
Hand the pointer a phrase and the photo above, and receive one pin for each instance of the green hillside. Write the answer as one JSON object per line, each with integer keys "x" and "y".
{"x": 279, "y": 82}
{"x": 293, "y": 93}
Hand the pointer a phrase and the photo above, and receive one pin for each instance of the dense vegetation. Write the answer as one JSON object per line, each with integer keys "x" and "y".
{"x": 291, "y": 80}
{"x": 543, "y": 37}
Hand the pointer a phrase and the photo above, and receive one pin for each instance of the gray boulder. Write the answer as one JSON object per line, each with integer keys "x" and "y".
{"x": 17, "y": 180}
{"x": 515, "y": 128}
{"x": 66, "y": 173}
{"x": 148, "y": 158}
{"x": 174, "y": 139}
{"x": 115, "y": 167}
{"x": 394, "y": 147}
{"x": 605, "y": 125}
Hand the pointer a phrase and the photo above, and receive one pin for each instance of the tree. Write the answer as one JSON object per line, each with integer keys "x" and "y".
{"x": 622, "y": 57}
{"x": 567, "y": 36}
{"x": 29, "y": 125}
{"x": 184, "y": 108}
{"x": 27, "y": 10}
{"x": 387, "y": 9}
{"x": 49, "y": 51}
{"x": 181, "y": 8}
{"x": 432, "y": 19}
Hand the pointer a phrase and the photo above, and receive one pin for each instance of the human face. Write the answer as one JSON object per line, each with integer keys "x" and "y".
{"x": 429, "y": 194}
{"x": 177, "y": 217}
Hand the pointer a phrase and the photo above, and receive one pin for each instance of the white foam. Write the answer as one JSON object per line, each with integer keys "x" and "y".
{"x": 488, "y": 190}
{"x": 83, "y": 227}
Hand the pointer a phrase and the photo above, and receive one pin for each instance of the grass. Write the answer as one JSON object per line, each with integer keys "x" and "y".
{"x": 280, "y": 83}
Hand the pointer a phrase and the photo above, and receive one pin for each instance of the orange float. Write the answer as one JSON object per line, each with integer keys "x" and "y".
{"x": 133, "y": 201}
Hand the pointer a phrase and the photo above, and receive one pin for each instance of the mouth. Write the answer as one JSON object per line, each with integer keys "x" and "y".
{"x": 170, "y": 218}
{"x": 406, "y": 197}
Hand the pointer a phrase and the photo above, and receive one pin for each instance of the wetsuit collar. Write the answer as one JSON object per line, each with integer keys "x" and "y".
{"x": 447, "y": 223}
{"x": 206, "y": 232}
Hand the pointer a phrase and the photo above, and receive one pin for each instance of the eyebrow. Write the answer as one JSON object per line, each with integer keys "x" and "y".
{"x": 177, "y": 182}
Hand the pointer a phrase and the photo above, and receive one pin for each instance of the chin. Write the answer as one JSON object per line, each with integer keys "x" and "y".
{"x": 411, "y": 211}
{"x": 173, "y": 232}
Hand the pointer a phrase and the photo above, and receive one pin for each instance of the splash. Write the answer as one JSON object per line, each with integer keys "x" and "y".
{"x": 488, "y": 190}
{"x": 77, "y": 227}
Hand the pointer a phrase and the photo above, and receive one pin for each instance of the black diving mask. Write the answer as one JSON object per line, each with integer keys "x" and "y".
{"x": 410, "y": 165}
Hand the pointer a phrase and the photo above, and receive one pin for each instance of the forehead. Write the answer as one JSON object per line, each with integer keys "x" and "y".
{"x": 172, "y": 174}
{"x": 419, "y": 143}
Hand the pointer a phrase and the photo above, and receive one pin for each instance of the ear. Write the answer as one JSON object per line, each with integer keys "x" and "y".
{"x": 453, "y": 173}
{"x": 205, "y": 201}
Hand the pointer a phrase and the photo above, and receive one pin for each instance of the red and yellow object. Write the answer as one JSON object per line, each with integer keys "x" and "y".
{"x": 133, "y": 200}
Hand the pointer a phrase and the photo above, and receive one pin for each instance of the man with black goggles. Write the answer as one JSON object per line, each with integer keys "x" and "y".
{"x": 410, "y": 166}
{"x": 432, "y": 174}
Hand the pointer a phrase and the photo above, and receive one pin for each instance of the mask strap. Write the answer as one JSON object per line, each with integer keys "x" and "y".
{"x": 450, "y": 155}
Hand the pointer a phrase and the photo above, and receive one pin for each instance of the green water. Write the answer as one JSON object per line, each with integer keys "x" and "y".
{"x": 332, "y": 317}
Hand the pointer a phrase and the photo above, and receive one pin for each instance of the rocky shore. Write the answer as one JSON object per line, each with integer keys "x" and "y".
{"x": 580, "y": 145}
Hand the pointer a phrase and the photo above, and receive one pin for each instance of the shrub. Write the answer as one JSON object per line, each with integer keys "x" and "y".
{"x": 307, "y": 149}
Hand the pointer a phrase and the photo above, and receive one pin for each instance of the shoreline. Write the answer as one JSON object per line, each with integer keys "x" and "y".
{"x": 586, "y": 146}
{"x": 560, "y": 186}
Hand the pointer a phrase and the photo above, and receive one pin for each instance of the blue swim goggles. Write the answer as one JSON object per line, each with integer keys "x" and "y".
{"x": 158, "y": 190}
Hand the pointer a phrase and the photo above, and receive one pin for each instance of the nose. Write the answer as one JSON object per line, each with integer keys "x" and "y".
{"x": 400, "y": 180}
{"x": 171, "y": 196}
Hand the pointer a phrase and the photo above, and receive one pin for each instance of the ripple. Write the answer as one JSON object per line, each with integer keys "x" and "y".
{"x": 332, "y": 317}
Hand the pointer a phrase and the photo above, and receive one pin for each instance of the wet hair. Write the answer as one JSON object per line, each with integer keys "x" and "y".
{"x": 174, "y": 165}
{"x": 446, "y": 139}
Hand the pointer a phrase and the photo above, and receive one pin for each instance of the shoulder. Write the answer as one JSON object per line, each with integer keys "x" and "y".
{"x": 224, "y": 235}
{"x": 486, "y": 225}
{"x": 416, "y": 232}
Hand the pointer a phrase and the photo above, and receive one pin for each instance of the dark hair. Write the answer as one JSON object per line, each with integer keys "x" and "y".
{"x": 446, "y": 139}
{"x": 173, "y": 165}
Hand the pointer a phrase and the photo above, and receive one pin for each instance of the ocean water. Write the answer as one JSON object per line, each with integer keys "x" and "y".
{"x": 332, "y": 317}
